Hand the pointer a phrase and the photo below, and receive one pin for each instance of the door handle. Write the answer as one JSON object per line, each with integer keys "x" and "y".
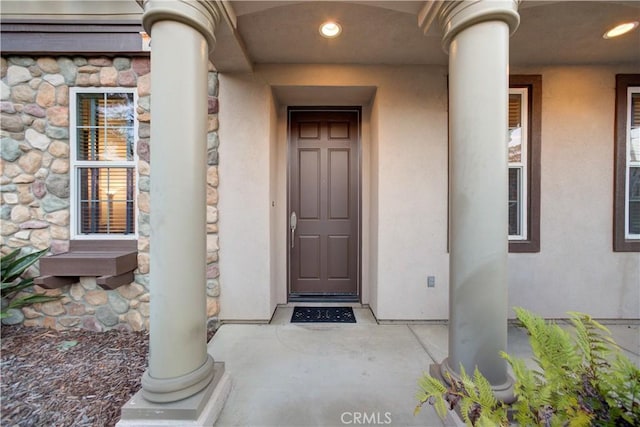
{"x": 293, "y": 223}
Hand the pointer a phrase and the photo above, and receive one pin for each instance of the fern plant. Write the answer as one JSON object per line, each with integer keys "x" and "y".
{"x": 581, "y": 379}
{"x": 12, "y": 269}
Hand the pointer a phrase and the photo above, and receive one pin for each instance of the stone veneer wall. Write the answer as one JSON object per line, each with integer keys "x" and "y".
{"x": 35, "y": 184}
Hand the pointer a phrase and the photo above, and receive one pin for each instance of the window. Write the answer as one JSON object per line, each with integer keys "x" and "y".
{"x": 517, "y": 144}
{"x": 627, "y": 164}
{"x": 525, "y": 97}
{"x": 103, "y": 126}
{"x": 632, "y": 214}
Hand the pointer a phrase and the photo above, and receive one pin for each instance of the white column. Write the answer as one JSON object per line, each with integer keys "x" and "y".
{"x": 476, "y": 34}
{"x": 181, "y": 36}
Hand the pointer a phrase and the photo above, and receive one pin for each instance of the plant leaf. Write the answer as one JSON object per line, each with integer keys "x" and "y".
{"x": 9, "y": 289}
{"x": 9, "y": 257}
{"x": 31, "y": 299}
{"x": 19, "y": 265}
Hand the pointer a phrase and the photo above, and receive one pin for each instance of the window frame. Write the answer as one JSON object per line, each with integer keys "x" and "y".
{"x": 530, "y": 241}
{"x": 622, "y": 242}
{"x": 75, "y": 164}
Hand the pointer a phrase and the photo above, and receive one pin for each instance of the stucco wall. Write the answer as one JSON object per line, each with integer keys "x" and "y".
{"x": 412, "y": 194}
{"x": 576, "y": 268}
{"x": 394, "y": 158}
{"x": 244, "y": 219}
{"x": 365, "y": 191}
{"x": 372, "y": 251}
{"x": 276, "y": 217}
{"x": 405, "y": 193}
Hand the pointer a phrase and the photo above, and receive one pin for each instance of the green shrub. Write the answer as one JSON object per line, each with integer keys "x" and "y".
{"x": 581, "y": 379}
{"x": 12, "y": 268}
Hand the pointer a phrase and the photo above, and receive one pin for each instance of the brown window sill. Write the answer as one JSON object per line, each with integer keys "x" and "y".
{"x": 111, "y": 261}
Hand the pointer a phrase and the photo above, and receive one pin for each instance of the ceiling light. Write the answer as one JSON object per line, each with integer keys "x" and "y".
{"x": 330, "y": 29}
{"x": 621, "y": 29}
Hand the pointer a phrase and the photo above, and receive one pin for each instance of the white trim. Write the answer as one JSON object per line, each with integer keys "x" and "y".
{"x": 74, "y": 206}
{"x": 629, "y": 164}
{"x": 523, "y": 164}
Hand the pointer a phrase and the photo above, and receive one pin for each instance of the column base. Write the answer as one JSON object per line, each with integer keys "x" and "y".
{"x": 201, "y": 409}
{"x": 165, "y": 390}
{"x": 502, "y": 392}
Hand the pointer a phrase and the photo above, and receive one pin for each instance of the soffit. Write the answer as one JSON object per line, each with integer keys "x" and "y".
{"x": 387, "y": 32}
{"x": 71, "y": 10}
{"x": 571, "y": 33}
{"x": 288, "y": 33}
{"x": 375, "y": 32}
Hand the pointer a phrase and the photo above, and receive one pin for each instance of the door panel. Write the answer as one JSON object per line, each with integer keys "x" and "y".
{"x": 324, "y": 194}
{"x": 338, "y": 184}
{"x": 309, "y": 184}
{"x": 309, "y": 253}
{"x": 338, "y": 251}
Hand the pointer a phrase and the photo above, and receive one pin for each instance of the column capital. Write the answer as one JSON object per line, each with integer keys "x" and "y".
{"x": 454, "y": 16}
{"x": 203, "y": 15}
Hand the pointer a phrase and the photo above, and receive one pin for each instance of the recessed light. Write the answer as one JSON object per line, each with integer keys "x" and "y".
{"x": 330, "y": 29}
{"x": 621, "y": 29}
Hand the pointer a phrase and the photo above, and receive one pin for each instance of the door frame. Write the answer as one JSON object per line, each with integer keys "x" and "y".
{"x": 293, "y": 297}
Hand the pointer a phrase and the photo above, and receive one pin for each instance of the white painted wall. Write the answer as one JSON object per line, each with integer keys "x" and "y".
{"x": 405, "y": 193}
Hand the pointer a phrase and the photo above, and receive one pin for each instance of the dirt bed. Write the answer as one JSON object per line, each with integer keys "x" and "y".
{"x": 71, "y": 378}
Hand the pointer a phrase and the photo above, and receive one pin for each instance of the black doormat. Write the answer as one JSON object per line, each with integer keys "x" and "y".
{"x": 323, "y": 315}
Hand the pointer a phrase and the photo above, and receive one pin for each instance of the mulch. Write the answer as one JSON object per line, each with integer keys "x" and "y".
{"x": 68, "y": 378}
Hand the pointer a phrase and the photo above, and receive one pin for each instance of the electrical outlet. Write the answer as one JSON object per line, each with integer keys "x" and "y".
{"x": 431, "y": 282}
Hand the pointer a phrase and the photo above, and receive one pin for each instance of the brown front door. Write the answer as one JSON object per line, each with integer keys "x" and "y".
{"x": 323, "y": 203}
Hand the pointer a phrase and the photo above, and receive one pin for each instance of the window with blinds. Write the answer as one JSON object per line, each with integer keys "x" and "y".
{"x": 104, "y": 165}
{"x": 632, "y": 214}
{"x": 517, "y": 148}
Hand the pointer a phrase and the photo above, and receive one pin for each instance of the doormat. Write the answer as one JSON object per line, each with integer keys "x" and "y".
{"x": 323, "y": 315}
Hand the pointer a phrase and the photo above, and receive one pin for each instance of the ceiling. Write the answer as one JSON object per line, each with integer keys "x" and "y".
{"x": 387, "y": 32}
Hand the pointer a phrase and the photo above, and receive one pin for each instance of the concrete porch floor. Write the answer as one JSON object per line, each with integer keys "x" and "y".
{"x": 286, "y": 374}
